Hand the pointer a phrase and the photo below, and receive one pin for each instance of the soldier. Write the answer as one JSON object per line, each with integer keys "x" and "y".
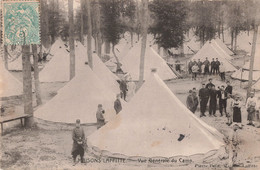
{"x": 251, "y": 107}
{"x": 79, "y": 142}
{"x": 204, "y": 97}
{"x": 213, "y": 66}
{"x": 217, "y": 65}
{"x": 100, "y": 117}
{"x": 123, "y": 88}
{"x": 190, "y": 101}
{"x": 210, "y": 84}
{"x": 212, "y": 101}
{"x": 206, "y": 63}
{"x": 229, "y": 88}
{"x": 222, "y": 95}
{"x": 117, "y": 104}
{"x": 199, "y": 65}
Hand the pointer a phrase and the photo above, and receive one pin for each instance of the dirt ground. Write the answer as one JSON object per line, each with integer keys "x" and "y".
{"x": 49, "y": 148}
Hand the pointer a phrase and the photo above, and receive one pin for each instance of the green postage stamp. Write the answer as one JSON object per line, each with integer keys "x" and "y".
{"x": 21, "y": 24}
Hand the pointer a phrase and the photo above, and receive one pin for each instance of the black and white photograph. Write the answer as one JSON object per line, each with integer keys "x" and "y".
{"x": 130, "y": 84}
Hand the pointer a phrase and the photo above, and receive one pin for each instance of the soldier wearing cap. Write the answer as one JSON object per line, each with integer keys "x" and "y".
{"x": 79, "y": 142}
{"x": 204, "y": 98}
{"x": 251, "y": 106}
{"x": 100, "y": 116}
{"x": 190, "y": 101}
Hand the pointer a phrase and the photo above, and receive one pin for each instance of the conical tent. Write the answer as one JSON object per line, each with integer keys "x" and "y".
{"x": 108, "y": 78}
{"x": 79, "y": 100}
{"x": 223, "y": 46}
{"x": 157, "y": 125}
{"x": 131, "y": 63}
{"x": 9, "y": 85}
{"x": 209, "y": 51}
{"x": 256, "y": 86}
{"x": 58, "y": 69}
{"x": 58, "y": 44}
{"x": 243, "y": 74}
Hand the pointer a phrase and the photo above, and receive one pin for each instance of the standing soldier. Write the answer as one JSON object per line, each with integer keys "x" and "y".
{"x": 204, "y": 97}
{"x": 100, "y": 116}
{"x": 117, "y": 104}
{"x": 190, "y": 64}
{"x": 213, "y": 66}
{"x": 210, "y": 84}
{"x": 206, "y": 63}
{"x": 229, "y": 88}
{"x": 123, "y": 88}
{"x": 78, "y": 137}
{"x": 199, "y": 65}
{"x": 217, "y": 65}
{"x": 195, "y": 100}
{"x": 251, "y": 107}
{"x": 221, "y": 69}
{"x": 195, "y": 70}
{"x": 212, "y": 101}
{"x": 222, "y": 95}
{"x": 190, "y": 101}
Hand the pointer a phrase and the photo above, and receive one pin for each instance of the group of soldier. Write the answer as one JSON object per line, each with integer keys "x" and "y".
{"x": 206, "y": 68}
{"x": 228, "y": 104}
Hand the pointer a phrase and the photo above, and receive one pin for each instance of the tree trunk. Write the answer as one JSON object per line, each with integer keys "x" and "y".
{"x": 132, "y": 38}
{"x": 82, "y": 6}
{"x": 222, "y": 30}
{"x": 97, "y": 19}
{"x": 250, "y": 78}
{"x": 144, "y": 40}
{"x": 71, "y": 40}
{"x": 219, "y": 28}
{"x": 36, "y": 75}
{"x": 90, "y": 62}
{"x": 232, "y": 39}
{"x": 27, "y": 86}
{"x": 107, "y": 47}
{"x": 6, "y": 57}
{"x": 235, "y": 39}
{"x": 182, "y": 50}
{"x": 117, "y": 60}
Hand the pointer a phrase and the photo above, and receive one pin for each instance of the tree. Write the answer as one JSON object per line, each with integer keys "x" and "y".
{"x": 71, "y": 39}
{"x": 111, "y": 25}
{"x": 27, "y": 86}
{"x": 97, "y": 27}
{"x": 90, "y": 62}
{"x": 82, "y": 6}
{"x": 144, "y": 40}
{"x": 169, "y": 22}
{"x": 36, "y": 75}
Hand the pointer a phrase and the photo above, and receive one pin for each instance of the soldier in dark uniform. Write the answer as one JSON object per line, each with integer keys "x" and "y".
{"x": 190, "y": 64}
{"x": 117, "y": 104}
{"x": 229, "y": 88}
{"x": 123, "y": 88}
{"x": 204, "y": 97}
{"x": 190, "y": 101}
{"x": 199, "y": 65}
{"x": 100, "y": 117}
{"x": 79, "y": 142}
{"x": 206, "y": 63}
{"x": 217, "y": 63}
{"x": 213, "y": 66}
{"x": 210, "y": 84}
{"x": 222, "y": 95}
{"x": 212, "y": 101}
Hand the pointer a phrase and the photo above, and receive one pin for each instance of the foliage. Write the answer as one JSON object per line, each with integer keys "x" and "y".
{"x": 169, "y": 22}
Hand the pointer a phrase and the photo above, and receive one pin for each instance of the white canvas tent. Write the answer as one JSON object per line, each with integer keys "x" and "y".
{"x": 243, "y": 73}
{"x": 209, "y": 51}
{"x": 57, "y": 45}
{"x": 9, "y": 85}
{"x": 156, "y": 125}
{"x": 131, "y": 63}
{"x": 79, "y": 100}
{"x": 222, "y": 46}
{"x": 256, "y": 86}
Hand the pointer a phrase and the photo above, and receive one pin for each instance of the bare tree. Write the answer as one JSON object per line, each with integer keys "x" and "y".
{"x": 90, "y": 62}
{"x": 71, "y": 39}
{"x": 82, "y": 6}
{"x": 144, "y": 39}
{"x": 27, "y": 86}
{"x": 6, "y": 57}
{"x": 36, "y": 75}
{"x": 97, "y": 19}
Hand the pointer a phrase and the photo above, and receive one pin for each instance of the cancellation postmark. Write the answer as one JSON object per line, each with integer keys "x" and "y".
{"x": 21, "y": 24}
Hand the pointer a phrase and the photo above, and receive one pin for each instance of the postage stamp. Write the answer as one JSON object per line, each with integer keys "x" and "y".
{"x": 21, "y": 22}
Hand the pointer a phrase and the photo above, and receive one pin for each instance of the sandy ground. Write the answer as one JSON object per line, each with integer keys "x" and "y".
{"x": 50, "y": 148}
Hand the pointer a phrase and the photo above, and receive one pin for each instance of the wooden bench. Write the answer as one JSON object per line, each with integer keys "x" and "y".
{"x": 11, "y": 117}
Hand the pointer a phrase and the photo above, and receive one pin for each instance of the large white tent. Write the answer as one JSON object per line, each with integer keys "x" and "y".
{"x": 243, "y": 73}
{"x": 154, "y": 128}
{"x": 58, "y": 45}
{"x": 131, "y": 63}
{"x": 210, "y": 51}
{"x": 9, "y": 85}
{"x": 79, "y": 100}
{"x": 222, "y": 46}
